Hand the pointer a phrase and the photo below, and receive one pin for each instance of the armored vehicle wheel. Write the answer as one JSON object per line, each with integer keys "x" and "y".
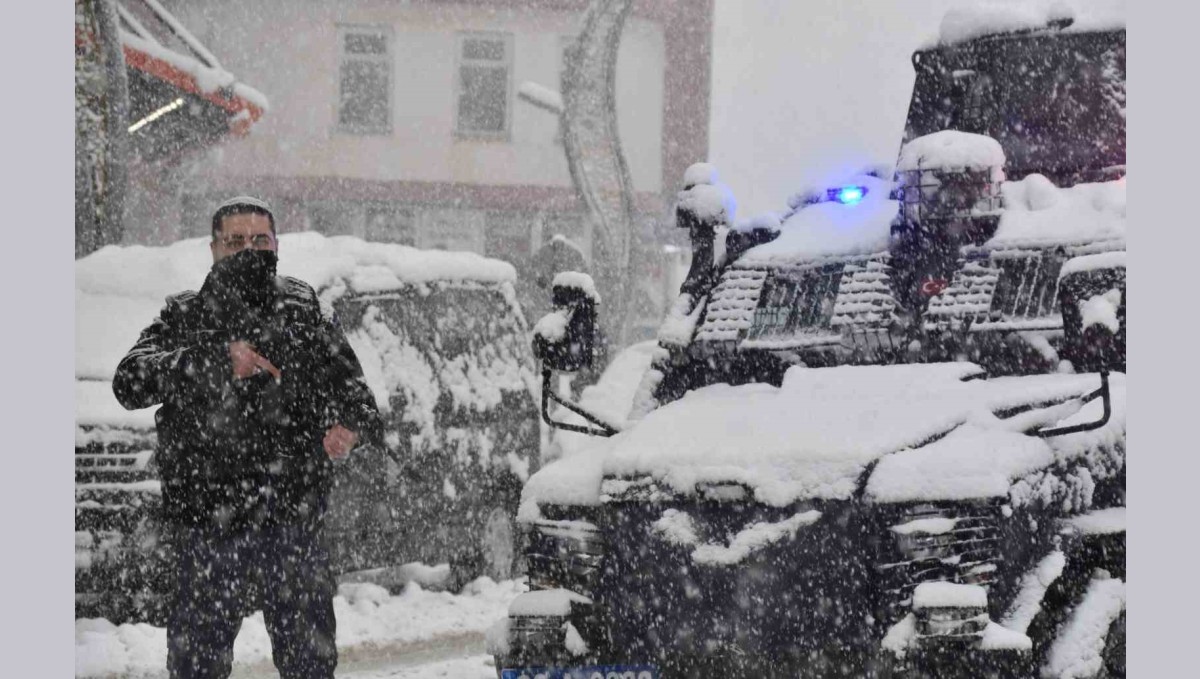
{"x": 493, "y": 551}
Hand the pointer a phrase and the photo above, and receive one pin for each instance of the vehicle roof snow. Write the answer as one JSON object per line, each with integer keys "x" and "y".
{"x": 961, "y": 24}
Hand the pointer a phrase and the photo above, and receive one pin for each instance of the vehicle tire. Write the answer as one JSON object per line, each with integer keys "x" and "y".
{"x": 498, "y": 545}
{"x": 494, "y": 551}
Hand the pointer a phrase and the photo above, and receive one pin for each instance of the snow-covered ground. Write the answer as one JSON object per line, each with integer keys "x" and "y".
{"x": 417, "y": 633}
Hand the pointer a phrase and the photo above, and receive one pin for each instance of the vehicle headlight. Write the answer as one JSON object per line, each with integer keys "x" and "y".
{"x": 945, "y": 542}
{"x": 950, "y": 612}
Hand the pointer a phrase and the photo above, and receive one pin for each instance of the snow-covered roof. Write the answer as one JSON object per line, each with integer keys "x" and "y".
{"x": 1036, "y": 215}
{"x": 159, "y": 44}
{"x": 120, "y": 289}
{"x": 813, "y": 437}
{"x": 831, "y": 228}
{"x": 966, "y": 23}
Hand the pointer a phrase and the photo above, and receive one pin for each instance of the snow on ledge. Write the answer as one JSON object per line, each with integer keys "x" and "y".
{"x": 552, "y": 327}
{"x": 1078, "y": 648}
{"x": 1098, "y": 261}
{"x": 948, "y": 595}
{"x": 700, "y": 173}
{"x": 545, "y": 603}
{"x": 967, "y": 23}
{"x": 577, "y": 281}
{"x": 951, "y": 149}
{"x": 1099, "y": 522}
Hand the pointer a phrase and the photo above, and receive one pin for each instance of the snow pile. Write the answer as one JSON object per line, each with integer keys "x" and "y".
{"x": 901, "y": 635}
{"x": 1099, "y": 522}
{"x": 572, "y": 640}
{"x": 831, "y": 228}
{"x": 705, "y": 196}
{"x": 951, "y": 150}
{"x": 1028, "y": 602}
{"x": 948, "y": 595}
{"x": 679, "y": 325}
{"x": 1036, "y": 211}
{"x": 931, "y": 526}
{"x": 700, "y": 173}
{"x": 813, "y": 437}
{"x": 366, "y": 616}
{"x": 1076, "y": 652}
{"x": 209, "y": 80}
{"x": 545, "y": 603}
{"x": 540, "y": 95}
{"x": 709, "y": 203}
{"x": 552, "y": 327}
{"x": 998, "y": 637}
{"x": 577, "y": 281}
{"x": 966, "y": 23}
{"x": 1101, "y": 310}
{"x": 677, "y": 528}
{"x": 1098, "y": 261}
{"x": 989, "y": 458}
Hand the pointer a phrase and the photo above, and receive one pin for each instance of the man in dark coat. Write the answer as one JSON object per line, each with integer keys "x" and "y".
{"x": 260, "y": 391}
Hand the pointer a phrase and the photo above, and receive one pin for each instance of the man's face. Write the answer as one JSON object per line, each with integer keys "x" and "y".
{"x": 241, "y": 231}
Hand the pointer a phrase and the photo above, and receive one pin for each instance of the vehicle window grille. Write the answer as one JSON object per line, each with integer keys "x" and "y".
{"x": 793, "y": 303}
{"x": 966, "y": 554}
{"x": 1028, "y": 287}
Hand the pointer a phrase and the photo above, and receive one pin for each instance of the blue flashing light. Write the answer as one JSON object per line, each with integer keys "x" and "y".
{"x": 850, "y": 195}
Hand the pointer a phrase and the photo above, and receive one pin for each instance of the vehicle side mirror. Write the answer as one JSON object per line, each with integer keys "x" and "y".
{"x": 1091, "y": 295}
{"x": 1092, "y": 300}
{"x": 565, "y": 339}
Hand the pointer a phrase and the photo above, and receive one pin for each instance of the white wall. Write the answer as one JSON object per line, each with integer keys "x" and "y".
{"x": 288, "y": 49}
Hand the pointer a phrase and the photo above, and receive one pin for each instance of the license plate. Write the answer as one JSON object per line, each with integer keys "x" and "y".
{"x": 590, "y": 672}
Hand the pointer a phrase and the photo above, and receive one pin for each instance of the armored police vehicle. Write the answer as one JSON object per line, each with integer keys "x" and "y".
{"x": 444, "y": 347}
{"x": 882, "y": 436}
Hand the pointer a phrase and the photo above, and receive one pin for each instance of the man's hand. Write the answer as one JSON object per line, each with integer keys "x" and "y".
{"x": 339, "y": 441}
{"x": 247, "y": 361}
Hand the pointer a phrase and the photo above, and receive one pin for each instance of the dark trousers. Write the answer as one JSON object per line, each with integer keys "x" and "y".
{"x": 222, "y": 576}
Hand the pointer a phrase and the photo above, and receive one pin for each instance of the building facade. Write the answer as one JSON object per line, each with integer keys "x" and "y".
{"x": 400, "y": 121}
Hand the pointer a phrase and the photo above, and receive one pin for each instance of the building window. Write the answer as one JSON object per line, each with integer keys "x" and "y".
{"x": 365, "y": 80}
{"x": 388, "y": 224}
{"x": 484, "y": 64}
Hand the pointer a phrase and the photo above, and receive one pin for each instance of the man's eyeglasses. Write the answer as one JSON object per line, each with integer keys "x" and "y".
{"x": 237, "y": 241}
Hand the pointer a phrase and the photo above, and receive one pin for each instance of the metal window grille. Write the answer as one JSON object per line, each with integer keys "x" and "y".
{"x": 934, "y": 196}
{"x": 795, "y": 303}
{"x": 1028, "y": 287}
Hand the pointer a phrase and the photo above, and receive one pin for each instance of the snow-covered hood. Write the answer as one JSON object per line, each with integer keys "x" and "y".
{"x": 932, "y": 432}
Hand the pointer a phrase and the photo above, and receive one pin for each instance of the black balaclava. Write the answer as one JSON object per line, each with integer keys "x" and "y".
{"x": 249, "y": 275}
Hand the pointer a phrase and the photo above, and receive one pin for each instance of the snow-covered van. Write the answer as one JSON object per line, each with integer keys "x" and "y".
{"x": 882, "y": 435}
{"x": 444, "y": 347}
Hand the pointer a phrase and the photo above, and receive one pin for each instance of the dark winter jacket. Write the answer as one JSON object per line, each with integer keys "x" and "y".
{"x": 246, "y": 452}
